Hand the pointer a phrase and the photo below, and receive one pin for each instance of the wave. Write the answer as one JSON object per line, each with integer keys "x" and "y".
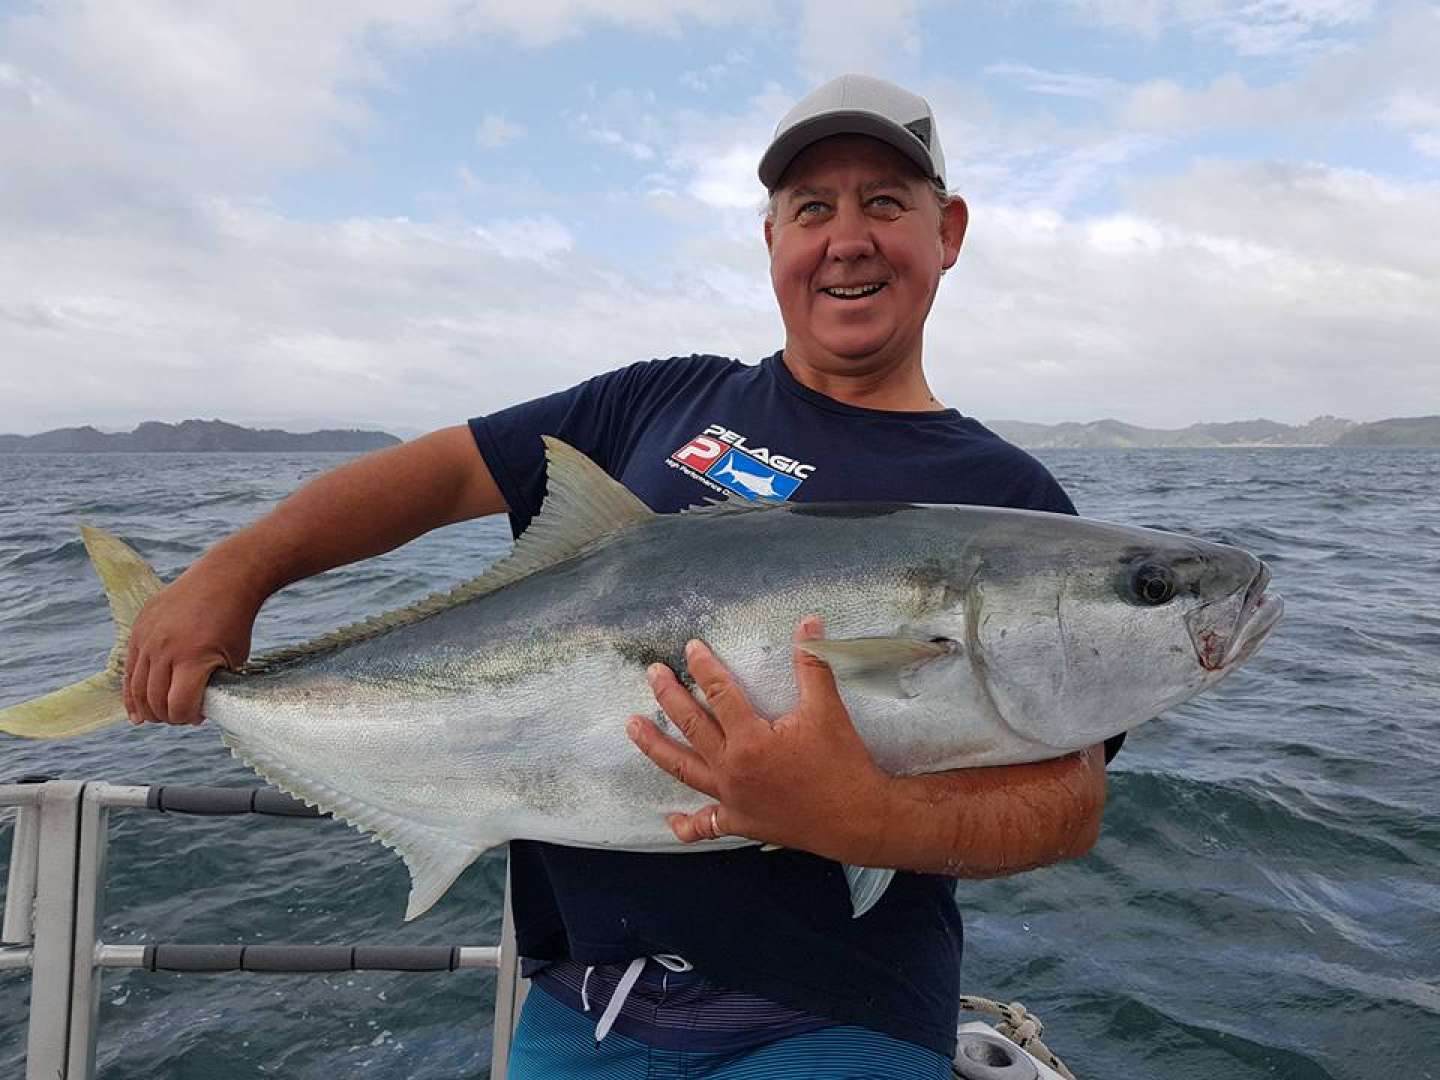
{"x": 73, "y": 551}
{"x": 1161, "y": 811}
{"x": 67, "y": 551}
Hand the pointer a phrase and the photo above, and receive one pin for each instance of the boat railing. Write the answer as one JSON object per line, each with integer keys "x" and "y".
{"x": 54, "y": 904}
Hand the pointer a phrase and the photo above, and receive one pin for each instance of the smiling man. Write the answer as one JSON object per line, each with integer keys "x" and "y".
{"x": 778, "y": 978}
{"x": 858, "y": 239}
{"x": 748, "y": 962}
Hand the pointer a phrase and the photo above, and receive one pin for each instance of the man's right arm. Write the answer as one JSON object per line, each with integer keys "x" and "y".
{"x": 203, "y": 620}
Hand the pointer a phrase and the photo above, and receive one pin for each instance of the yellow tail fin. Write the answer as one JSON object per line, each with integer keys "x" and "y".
{"x": 96, "y": 702}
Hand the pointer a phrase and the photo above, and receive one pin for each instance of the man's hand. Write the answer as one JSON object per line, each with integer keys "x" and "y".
{"x": 808, "y": 782}
{"x": 200, "y": 622}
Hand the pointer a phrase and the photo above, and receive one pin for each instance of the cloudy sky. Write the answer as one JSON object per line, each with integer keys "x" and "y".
{"x": 409, "y": 213}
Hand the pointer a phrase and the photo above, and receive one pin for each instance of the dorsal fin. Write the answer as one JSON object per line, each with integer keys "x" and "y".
{"x": 582, "y": 506}
{"x": 734, "y": 504}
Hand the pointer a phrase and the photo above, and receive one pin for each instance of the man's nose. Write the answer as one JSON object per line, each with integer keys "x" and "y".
{"x": 850, "y": 235}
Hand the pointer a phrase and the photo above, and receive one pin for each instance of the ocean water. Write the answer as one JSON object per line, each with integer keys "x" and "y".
{"x": 1264, "y": 901}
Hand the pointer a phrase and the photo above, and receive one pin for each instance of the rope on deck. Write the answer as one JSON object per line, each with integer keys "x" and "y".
{"x": 1020, "y": 1026}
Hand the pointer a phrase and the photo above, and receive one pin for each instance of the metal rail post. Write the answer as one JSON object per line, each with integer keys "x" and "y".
{"x": 54, "y": 930}
{"x": 16, "y": 925}
{"x": 510, "y": 990}
{"x": 24, "y": 855}
{"x": 90, "y": 859}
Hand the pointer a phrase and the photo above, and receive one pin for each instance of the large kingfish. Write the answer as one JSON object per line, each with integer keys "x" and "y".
{"x": 959, "y": 636}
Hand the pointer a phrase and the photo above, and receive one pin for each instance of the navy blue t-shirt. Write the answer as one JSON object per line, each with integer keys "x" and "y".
{"x": 775, "y": 924}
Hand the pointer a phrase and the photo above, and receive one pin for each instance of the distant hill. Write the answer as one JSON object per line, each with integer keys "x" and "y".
{"x": 1115, "y": 435}
{"x": 325, "y": 422}
{"x": 1402, "y": 431}
{"x": 192, "y": 437}
{"x": 203, "y": 436}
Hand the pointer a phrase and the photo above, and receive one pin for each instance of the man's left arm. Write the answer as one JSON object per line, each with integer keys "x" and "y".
{"x": 806, "y": 781}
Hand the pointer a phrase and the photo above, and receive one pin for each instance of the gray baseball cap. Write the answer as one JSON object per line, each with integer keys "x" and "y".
{"x": 857, "y": 105}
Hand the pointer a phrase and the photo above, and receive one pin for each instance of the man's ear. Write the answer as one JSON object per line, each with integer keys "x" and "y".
{"x": 953, "y": 221}
{"x": 769, "y": 232}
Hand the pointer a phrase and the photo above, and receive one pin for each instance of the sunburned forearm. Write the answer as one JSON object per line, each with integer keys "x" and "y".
{"x": 203, "y": 620}
{"x": 366, "y": 507}
{"x": 991, "y": 822}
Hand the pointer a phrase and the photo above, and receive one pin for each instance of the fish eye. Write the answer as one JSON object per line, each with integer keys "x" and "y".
{"x": 1153, "y": 585}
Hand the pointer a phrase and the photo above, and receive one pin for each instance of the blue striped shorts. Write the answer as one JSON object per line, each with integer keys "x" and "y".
{"x": 554, "y": 1042}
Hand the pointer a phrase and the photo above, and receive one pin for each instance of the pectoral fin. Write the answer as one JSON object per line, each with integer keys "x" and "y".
{"x": 867, "y": 885}
{"x": 883, "y": 665}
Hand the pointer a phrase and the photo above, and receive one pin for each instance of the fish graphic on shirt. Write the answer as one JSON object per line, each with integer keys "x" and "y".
{"x": 761, "y": 486}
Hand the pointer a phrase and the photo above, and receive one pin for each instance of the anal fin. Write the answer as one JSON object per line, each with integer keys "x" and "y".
{"x": 433, "y": 869}
{"x": 434, "y": 857}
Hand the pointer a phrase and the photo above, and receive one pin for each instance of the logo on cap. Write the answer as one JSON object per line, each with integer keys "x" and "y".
{"x": 920, "y": 129}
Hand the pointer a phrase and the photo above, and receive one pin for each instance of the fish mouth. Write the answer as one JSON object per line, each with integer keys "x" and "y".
{"x": 1258, "y": 615}
{"x": 1227, "y": 632}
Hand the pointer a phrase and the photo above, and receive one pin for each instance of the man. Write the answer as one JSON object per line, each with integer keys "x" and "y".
{"x": 757, "y": 961}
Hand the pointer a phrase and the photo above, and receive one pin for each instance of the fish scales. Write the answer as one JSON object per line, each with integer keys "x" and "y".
{"x": 477, "y": 682}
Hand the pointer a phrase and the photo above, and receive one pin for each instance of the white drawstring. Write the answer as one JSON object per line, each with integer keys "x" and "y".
{"x": 672, "y": 962}
{"x": 617, "y": 999}
{"x": 669, "y": 961}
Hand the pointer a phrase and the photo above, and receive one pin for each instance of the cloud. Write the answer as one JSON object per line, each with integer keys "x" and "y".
{"x": 1066, "y": 84}
{"x": 835, "y": 39}
{"x": 1031, "y": 159}
{"x": 1225, "y": 291}
{"x": 217, "y": 87}
{"x": 1397, "y": 62}
{"x": 254, "y": 314}
{"x": 495, "y": 131}
{"x": 606, "y": 136}
{"x": 528, "y": 238}
{"x": 170, "y": 287}
{"x": 543, "y": 22}
{"x": 1418, "y": 117}
{"x": 150, "y": 270}
{"x": 228, "y": 94}
{"x": 626, "y": 120}
{"x": 1248, "y": 27}
{"x": 708, "y": 156}
{"x": 717, "y": 75}
{"x": 19, "y": 91}
{"x": 1327, "y": 216}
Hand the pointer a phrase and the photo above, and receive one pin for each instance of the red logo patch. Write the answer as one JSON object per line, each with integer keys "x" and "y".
{"x": 700, "y": 453}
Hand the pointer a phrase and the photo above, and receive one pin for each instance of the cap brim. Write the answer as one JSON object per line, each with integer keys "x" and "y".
{"x": 788, "y": 146}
